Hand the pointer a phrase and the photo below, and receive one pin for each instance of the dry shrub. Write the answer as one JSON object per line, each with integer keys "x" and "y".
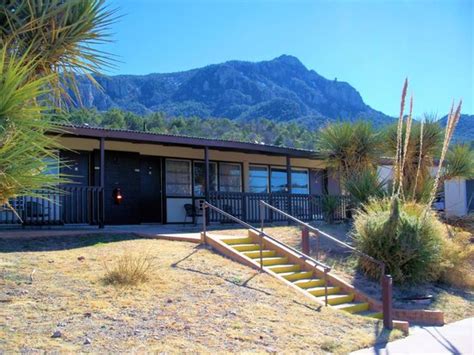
{"x": 129, "y": 270}
{"x": 457, "y": 263}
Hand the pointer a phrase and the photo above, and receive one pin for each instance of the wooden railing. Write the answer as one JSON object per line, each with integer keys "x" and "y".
{"x": 245, "y": 205}
{"x": 66, "y": 205}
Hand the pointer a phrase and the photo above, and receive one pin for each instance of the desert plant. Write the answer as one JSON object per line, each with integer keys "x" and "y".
{"x": 397, "y": 233}
{"x": 364, "y": 186}
{"x": 350, "y": 148}
{"x": 459, "y": 162}
{"x": 129, "y": 270}
{"x": 25, "y": 151}
{"x": 457, "y": 260}
{"x": 329, "y": 206}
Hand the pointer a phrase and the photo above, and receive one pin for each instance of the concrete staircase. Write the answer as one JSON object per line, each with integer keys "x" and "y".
{"x": 288, "y": 266}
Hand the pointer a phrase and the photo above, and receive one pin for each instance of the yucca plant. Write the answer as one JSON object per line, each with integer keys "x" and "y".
{"x": 350, "y": 147}
{"x": 26, "y": 153}
{"x": 60, "y": 37}
{"x": 459, "y": 162}
{"x": 364, "y": 186}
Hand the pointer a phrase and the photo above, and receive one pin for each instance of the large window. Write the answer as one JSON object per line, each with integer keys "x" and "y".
{"x": 178, "y": 177}
{"x": 299, "y": 182}
{"x": 258, "y": 178}
{"x": 230, "y": 177}
{"x": 200, "y": 177}
{"x": 278, "y": 180}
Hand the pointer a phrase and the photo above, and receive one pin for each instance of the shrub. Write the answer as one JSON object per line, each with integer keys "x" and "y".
{"x": 364, "y": 186}
{"x": 129, "y": 270}
{"x": 457, "y": 262}
{"x": 329, "y": 207}
{"x": 405, "y": 236}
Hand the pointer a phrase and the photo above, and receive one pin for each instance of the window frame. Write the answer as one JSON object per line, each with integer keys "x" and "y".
{"x": 190, "y": 172}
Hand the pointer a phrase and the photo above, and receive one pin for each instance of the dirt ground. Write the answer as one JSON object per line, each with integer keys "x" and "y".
{"x": 195, "y": 301}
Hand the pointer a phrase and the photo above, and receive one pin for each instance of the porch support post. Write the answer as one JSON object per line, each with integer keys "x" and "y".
{"x": 102, "y": 184}
{"x": 288, "y": 179}
{"x": 207, "y": 182}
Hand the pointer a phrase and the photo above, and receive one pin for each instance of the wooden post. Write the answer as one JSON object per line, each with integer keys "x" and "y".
{"x": 102, "y": 183}
{"x": 305, "y": 241}
{"x": 288, "y": 183}
{"x": 207, "y": 183}
{"x": 387, "y": 302}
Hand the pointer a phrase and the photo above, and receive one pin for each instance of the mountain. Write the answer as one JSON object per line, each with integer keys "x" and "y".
{"x": 281, "y": 89}
{"x": 464, "y": 130}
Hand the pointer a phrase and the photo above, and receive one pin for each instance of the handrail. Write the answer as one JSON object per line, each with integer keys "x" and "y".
{"x": 261, "y": 233}
{"x": 320, "y": 232}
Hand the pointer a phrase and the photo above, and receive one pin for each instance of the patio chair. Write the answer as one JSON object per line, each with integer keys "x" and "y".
{"x": 191, "y": 212}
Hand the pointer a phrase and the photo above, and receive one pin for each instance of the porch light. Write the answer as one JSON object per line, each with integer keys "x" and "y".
{"x": 117, "y": 195}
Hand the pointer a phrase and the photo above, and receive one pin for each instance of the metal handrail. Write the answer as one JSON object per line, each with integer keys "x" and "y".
{"x": 260, "y": 232}
{"x": 320, "y": 232}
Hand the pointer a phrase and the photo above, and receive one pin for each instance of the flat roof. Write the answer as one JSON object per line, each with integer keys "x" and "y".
{"x": 182, "y": 140}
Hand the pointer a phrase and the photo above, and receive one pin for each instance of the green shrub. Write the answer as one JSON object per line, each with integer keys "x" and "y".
{"x": 457, "y": 260}
{"x": 329, "y": 207}
{"x": 401, "y": 235}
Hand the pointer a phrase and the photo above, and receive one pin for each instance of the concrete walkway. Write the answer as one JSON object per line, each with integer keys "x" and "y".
{"x": 454, "y": 338}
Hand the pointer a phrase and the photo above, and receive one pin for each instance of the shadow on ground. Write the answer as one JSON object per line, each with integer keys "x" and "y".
{"x": 54, "y": 243}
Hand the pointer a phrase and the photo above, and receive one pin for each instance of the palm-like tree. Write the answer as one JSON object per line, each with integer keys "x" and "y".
{"x": 43, "y": 45}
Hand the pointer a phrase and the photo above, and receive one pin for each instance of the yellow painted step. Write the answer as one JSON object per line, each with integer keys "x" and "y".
{"x": 237, "y": 240}
{"x": 338, "y": 299}
{"x": 256, "y": 254}
{"x": 245, "y": 247}
{"x": 274, "y": 260}
{"x": 298, "y": 275}
{"x": 308, "y": 283}
{"x": 320, "y": 291}
{"x": 353, "y": 307}
{"x": 284, "y": 268}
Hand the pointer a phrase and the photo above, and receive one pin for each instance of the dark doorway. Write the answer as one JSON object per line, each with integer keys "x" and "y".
{"x": 122, "y": 171}
{"x": 150, "y": 182}
{"x": 470, "y": 195}
{"x": 75, "y": 167}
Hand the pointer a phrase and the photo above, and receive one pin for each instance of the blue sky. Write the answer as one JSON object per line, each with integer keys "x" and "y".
{"x": 373, "y": 45}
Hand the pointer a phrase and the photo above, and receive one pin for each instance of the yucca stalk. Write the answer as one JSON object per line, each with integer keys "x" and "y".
{"x": 405, "y": 148}
{"x": 420, "y": 155}
{"x": 398, "y": 157}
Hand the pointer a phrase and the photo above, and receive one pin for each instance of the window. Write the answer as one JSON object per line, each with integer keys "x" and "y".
{"x": 278, "y": 180}
{"x": 258, "y": 179}
{"x": 299, "y": 182}
{"x": 230, "y": 177}
{"x": 178, "y": 177}
{"x": 200, "y": 177}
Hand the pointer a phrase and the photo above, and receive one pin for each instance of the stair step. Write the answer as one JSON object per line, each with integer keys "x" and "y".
{"x": 308, "y": 283}
{"x": 370, "y": 314}
{"x": 338, "y": 299}
{"x": 278, "y": 260}
{"x": 283, "y": 268}
{"x": 245, "y": 247}
{"x": 353, "y": 307}
{"x": 237, "y": 240}
{"x": 256, "y": 254}
{"x": 320, "y": 291}
{"x": 298, "y": 275}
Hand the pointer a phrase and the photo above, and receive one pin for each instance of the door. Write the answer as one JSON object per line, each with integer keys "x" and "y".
{"x": 122, "y": 173}
{"x": 150, "y": 182}
{"x": 470, "y": 195}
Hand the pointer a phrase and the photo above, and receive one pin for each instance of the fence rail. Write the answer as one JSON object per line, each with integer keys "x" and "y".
{"x": 306, "y": 207}
{"x": 67, "y": 205}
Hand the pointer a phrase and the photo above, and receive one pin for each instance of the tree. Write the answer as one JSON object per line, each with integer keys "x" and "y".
{"x": 43, "y": 45}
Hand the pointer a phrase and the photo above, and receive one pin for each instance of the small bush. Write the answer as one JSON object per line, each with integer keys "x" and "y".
{"x": 129, "y": 270}
{"x": 403, "y": 237}
{"x": 457, "y": 263}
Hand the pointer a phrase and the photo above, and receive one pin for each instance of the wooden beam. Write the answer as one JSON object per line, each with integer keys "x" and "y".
{"x": 102, "y": 183}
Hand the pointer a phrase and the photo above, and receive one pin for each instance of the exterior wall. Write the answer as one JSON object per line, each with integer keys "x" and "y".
{"x": 334, "y": 185}
{"x": 175, "y": 212}
{"x": 455, "y": 197}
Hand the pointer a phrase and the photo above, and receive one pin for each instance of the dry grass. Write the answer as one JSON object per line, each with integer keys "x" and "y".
{"x": 129, "y": 270}
{"x": 194, "y": 301}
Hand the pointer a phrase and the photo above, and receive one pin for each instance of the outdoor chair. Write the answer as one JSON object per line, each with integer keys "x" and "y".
{"x": 191, "y": 212}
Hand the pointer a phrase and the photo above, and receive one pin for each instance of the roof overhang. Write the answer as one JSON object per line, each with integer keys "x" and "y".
{"x": 193, "y": 142}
